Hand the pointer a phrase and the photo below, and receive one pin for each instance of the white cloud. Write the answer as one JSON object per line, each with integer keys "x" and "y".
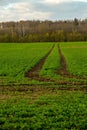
{"x": 59, "y": 1}
{"x": 22, "y": 11}
{"x": 14, "y": 10}
{"x": 19, "y": 6}
{"x": 81, "y": 0}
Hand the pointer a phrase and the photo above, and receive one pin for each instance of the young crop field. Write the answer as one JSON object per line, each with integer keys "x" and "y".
{"x": 43, "y": 86}
{"x": 58, "y": 110}
{"x": 16, "y": 59}
{"x": 37, "y": 63}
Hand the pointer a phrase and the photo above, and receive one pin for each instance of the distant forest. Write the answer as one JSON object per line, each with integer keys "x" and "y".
{"x": 43, "y": 31}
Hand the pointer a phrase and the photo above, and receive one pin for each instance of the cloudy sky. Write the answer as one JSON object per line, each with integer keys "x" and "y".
{"x": 15, "y": 10}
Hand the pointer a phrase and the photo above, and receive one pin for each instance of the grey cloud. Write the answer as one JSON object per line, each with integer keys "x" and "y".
{"x": 71, "y": 10}
{"x": 68, "y": 10}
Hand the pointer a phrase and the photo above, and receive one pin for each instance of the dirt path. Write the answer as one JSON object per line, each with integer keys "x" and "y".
{"x": 34, "y": 72}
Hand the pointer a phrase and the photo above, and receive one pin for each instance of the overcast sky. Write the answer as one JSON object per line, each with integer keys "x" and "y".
{"x": 15, "y": 10}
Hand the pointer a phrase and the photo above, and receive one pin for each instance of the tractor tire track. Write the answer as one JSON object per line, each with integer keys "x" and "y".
{"x": 64, "y": 72}
{"x": 34, "y": 72}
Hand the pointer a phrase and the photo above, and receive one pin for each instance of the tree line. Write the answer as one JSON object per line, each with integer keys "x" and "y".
{"x": 43, "y": 31}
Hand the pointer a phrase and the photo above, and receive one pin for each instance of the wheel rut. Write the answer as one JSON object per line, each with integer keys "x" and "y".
{"x": 34, "y": 72}
{"x": 63, "y": 71}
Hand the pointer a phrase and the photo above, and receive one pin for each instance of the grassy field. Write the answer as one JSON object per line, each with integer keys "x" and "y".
{"x": 43, "y": 86}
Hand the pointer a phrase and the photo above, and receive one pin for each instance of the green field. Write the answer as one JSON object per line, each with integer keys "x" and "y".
{"x": 58, "y": 110}
{"x": 43, "y": 86}
{"x": 18, "y": 59}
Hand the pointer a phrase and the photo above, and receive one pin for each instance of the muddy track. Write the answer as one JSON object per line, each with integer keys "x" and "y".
{"x": 34, "y": 72}
{"x": 63, "y": 71}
